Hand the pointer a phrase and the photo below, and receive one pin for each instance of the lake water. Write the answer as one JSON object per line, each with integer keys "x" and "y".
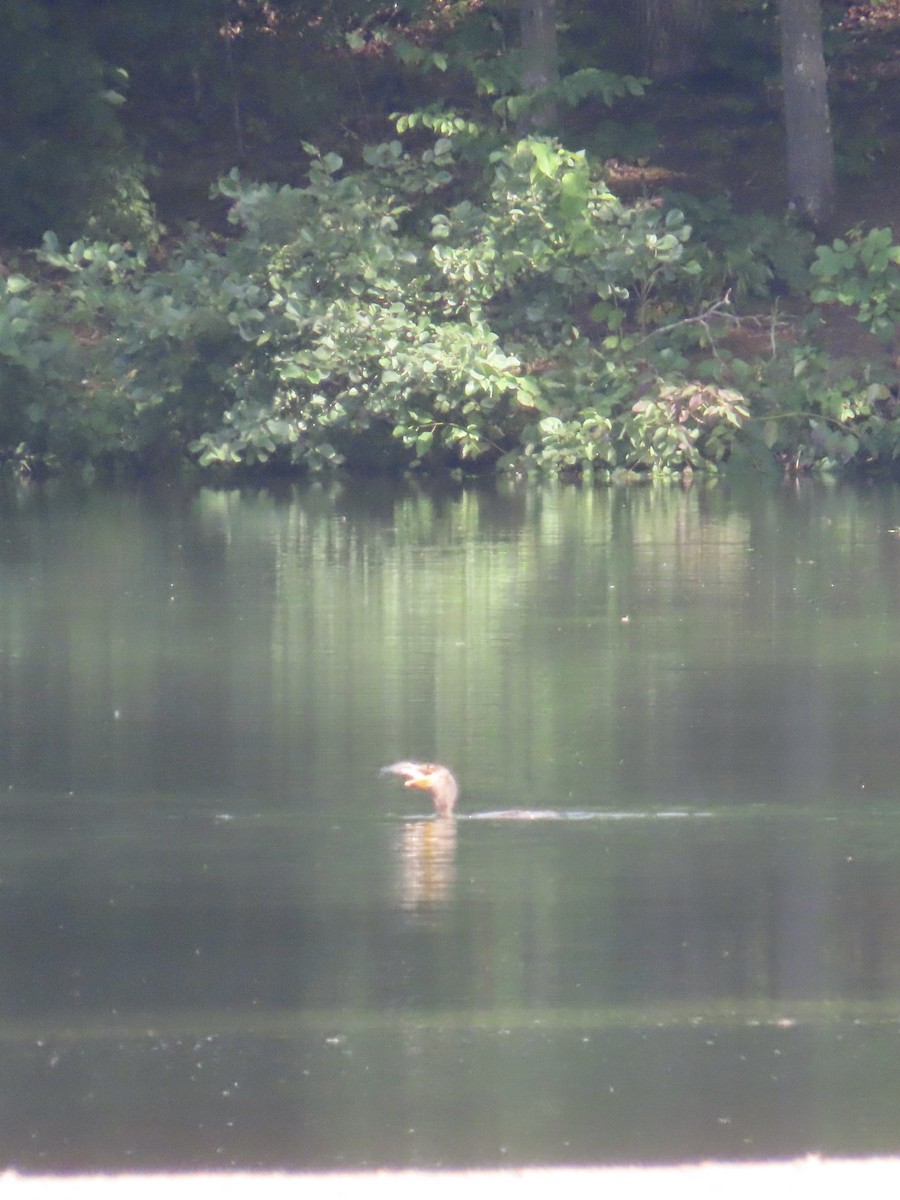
{"x": 226, "y": 941}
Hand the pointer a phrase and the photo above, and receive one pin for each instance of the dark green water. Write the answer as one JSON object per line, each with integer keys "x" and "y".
{"x": 225, "y": 941}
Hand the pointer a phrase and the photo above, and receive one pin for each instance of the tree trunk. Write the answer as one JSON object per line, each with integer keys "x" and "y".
{"x": 671, "y": 35}
{"x": 810, "y": 151}
{"x": 540, "y": 57}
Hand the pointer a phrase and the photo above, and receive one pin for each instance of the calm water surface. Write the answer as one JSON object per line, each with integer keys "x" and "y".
{"x": 227, "y": 942}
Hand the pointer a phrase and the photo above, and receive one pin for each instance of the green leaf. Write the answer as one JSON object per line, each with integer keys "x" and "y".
{"x": 574, "y": 193}
{"x": 545, "y": 157}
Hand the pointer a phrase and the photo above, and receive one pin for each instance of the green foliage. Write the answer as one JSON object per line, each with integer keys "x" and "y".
{"x": 507, "y": 312}
{"x": 460, "y": 335}
{"x": 812, "y": 415}
{"x": 474, "y": 49}
{"x": 54, "y": 407}
{"x": 550, "y": 240}
{"x": 365, "y": 307}
{"x": 570, "y": 91}
{"x": 749, "y": 255}
{"x": 807, "y": 411}
{"x": 122, "y": 210}
{"x": 577, "y": 445}
{"x": 64, "y": 159}
{"x": 691, "y": 425}
{"x": 861, "y": 272}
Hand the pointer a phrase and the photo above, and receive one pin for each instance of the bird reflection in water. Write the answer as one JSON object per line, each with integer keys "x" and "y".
{"x": 428, "y": 847}
{"x": 427, "y": 853}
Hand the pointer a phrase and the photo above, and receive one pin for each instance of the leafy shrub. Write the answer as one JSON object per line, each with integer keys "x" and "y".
{"x": 861, "y": 272}
{"x": 420, "y": 310}
{"x": 748, "y": 254}
{"x": 690, "y": 425}
{"x": 812, "y": 416}
{"x": 375, "y": 318}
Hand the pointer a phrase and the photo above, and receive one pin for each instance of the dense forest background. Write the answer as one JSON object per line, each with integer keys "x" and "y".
{"x": 621, "y": 239}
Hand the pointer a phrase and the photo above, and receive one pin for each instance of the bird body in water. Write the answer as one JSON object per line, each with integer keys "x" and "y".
{"x": 441, "y": 782}
{"x": 431, "y": 777}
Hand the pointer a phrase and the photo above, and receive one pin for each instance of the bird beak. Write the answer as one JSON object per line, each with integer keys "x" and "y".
{"x": 424, "y": 782}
